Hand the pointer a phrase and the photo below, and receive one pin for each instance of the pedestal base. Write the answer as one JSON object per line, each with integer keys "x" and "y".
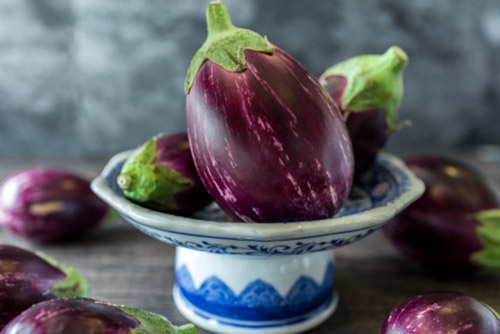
{"x": 220, "y": 325}
{"x": 249, "y": 294}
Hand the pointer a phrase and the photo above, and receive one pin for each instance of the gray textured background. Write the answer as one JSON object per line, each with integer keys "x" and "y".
{"x": 85, "y": 78}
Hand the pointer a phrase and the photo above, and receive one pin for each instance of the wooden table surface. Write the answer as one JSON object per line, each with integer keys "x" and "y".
{"x": 124, "y": 266}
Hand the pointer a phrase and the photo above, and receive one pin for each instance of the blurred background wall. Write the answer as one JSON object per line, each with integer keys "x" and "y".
{"x": 88, "y": 78}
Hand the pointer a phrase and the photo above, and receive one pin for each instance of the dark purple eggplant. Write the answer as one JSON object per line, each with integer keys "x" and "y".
{"x": 441, "y": 313}
{"x": 455, "y": 225}
{"x": 88, "y": 316}
{"x": 268, "y": 142}
{"x": 368, "y": 89}
{"x": 27, "y": 278}
{"x": 47, "y": 204}
{"x": 161, "y": 175}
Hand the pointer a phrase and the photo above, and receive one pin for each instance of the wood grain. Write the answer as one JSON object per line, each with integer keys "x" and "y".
{"x": 127, "y": 267}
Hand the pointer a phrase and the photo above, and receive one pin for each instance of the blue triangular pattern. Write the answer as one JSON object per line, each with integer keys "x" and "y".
{"x": 260, "y": 294}
{"x": 259, "y": 300}
{"x": 183, "y": 277}
{"x": 216, "y": 291}
{"x": 305, "y": 290}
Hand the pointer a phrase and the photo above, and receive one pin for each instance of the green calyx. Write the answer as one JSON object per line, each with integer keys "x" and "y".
{"x": 74, "y": 285}
{"x": 373, "y": 82}
{"x": 488, "y": 233}
{"x": 152, "y": 323}
{"x": 225, "y": 44}
{"x": 144, "y": 181}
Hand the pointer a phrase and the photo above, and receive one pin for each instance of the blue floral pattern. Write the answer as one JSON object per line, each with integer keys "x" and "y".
{"x": 259, "y": 300}
{"x": 262, "y": 248}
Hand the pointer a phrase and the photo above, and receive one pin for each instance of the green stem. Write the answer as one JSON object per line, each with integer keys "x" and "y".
{"x": 218, "y": 19}
{"x": 395, "y": 59}
{"x": 225, "y": 44}
{"x": 373, "y": 82}
{"x": 124, "y": 181}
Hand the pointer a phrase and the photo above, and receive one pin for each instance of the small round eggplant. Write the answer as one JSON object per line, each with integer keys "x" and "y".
{"x": 27, "y": 278}
{"x": 85, "y": 316}
{"x": 368, "y": 89}
{"x": 268, "y": 142}
{"x": 161, "y": 175}
{"x": 46, "y": 204}
{"x": 441, "y": 313}
{"x": 455, "y": 225}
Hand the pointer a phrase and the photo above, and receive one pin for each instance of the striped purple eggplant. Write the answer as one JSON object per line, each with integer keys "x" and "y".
{"x": 441, "y": 312}
{"x": 368, "y": 90}
{"x": 161, "y": 175}
{"x": 454, "y": 226}
{"x": 88, "y": 316}
{"x": 268, "y": 142}
{"x": 27, "y": 278}
{"x": 46, "y": 204}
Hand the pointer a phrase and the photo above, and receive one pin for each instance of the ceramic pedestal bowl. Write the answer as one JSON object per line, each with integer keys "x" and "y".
{"x": 264, "y": 278}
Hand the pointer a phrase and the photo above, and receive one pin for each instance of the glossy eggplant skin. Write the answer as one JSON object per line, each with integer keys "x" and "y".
{"x": 268, "y": 142}
{"x": 440, "y": 229}
{"x": 27, "y": 279}
{"x": 88, "y": 316}
{"x": 196, "y": 196}
{"x": 161, "y": 175}
{"x": 368, "y": 130}
{"x": 75, "y": 316}
{"x": 46, "y": 204}
{"x": 441, "y": 312}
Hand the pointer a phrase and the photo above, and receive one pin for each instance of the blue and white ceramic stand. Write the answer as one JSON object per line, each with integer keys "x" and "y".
{"x": 264, "y": 278}
{"x": 255, "y": 294}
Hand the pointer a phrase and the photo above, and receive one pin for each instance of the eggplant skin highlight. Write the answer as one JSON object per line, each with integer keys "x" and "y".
{"x": 85, "y": 316}
{"x": 268, "y": 141}
{"x": 47, "y": 204}
{"x": 441, "y": 312}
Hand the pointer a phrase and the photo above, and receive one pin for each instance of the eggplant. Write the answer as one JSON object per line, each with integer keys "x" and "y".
{"x": 46, "y": 204}
{"x": 455, "y": 225}
{"x": 268, "y": 142}
{"x": 27, "y": 278}
{"x": 441, "y": 312}
{"x": 368, "y": 89}
{"x": 89, "y": 316}
{"x": 161, "y": 175}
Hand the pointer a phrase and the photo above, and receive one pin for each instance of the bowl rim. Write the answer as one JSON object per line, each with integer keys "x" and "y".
{"x": 372, "y": 218}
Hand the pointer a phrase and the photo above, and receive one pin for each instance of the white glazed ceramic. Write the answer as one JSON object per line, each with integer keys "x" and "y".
{"x": 272, "y": 278}
{"x": 254, "y": 294}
